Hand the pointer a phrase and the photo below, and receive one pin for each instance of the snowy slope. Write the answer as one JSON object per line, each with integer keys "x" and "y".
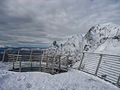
{"x": 72, "y": 80}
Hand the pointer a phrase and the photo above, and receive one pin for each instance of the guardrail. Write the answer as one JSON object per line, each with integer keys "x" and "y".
{"x": 104, "y": 66}
{"x": 39, "y": 60}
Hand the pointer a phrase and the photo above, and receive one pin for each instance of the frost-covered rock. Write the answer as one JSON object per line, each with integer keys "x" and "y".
{"x": 103, "y": 38}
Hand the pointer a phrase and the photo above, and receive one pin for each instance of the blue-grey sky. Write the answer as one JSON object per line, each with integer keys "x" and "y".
{"x": 39, "y": 22}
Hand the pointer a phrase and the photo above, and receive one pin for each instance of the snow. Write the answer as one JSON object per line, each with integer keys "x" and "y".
{"x": 111, "y": 47}
{"x": 71, "y": 80}
{"x": 99, "y": 38}
{"x": 2, "y": 46}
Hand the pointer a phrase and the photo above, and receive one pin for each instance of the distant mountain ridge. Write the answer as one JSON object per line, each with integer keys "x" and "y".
{"x": 101, "y": 38}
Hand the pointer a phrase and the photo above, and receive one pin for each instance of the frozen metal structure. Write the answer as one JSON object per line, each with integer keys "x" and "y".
{"x": 104, "y": 66}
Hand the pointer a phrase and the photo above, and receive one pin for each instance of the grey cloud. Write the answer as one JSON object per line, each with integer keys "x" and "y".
{"x": 30, "y": 22}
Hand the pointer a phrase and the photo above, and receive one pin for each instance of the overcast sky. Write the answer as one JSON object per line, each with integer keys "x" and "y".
{"x": 39, "y": 22}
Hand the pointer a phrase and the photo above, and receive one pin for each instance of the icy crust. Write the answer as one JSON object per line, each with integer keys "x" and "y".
{"x": 72, "y": 80}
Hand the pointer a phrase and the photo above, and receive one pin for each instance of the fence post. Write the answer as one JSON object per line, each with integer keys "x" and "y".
{"x": 40, "y": 68}
{"x": 30, "y": 59}
{"x": 13, "y": 62}
{"x": 53, "y": 64}
{"x": 67, "y": 62}
{"x": 81, "y": 61}
{"x": 59, "y": 63}
{"x": 3, "y": 57}
{"x": 118, "y": 81}
{"x": 98, "y": 64}
{"x": 19, "y": 61}
{"x": 47, "y": 59}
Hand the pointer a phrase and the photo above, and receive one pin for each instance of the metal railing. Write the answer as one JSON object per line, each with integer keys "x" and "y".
{"x": 35, "y": 59}
{"x": 104, "y": 66}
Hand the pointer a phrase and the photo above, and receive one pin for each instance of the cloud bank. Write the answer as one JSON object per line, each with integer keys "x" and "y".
{"x": 39, "y": 22}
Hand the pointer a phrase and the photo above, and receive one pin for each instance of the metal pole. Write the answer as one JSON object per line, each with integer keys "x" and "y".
{"x": 20, "y": 65}
{"x": 3, "y": 57}
{"x": 18, "y": 55}
{"x": 13, "y": 62}
{"x": 81, "y": 61}
{"x": 19, "y": 61}
{"x": 118, "y": 81}
{"x": 53, "y": 64}
{"x": 59, "y": 63}
{"x": 47, "y": 58}
{"x": 40, "y": 68}
{"x": 67, "y": 61}
{"x": 30, "y": 59}
{"x": 98, "y": 64}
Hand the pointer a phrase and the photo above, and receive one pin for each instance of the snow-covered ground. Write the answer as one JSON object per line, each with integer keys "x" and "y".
{"x": 71, "y": 80}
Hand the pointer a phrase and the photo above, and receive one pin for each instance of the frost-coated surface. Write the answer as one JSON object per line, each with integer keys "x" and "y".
{"x": 72, "y": 80}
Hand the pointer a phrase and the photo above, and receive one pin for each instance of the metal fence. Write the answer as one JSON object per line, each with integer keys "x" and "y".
{"x": 38, "y": 60}
{"x": 104, "y": 66}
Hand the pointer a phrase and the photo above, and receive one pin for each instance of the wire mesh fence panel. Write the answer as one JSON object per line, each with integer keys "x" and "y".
{"x": 90, "y": 63}
{"x": 110, "y": 68}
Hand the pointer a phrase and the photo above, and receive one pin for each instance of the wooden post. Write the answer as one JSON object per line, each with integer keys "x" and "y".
{"x": 118, "y": 81}
{"x": 3, "y": 57}
{"x": 79, "y": 68}
{"x": 98, "y": 64}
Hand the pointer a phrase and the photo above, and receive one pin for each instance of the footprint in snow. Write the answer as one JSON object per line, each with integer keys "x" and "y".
{"x": 28, "y": 85}
{"x": 22, "y": 77}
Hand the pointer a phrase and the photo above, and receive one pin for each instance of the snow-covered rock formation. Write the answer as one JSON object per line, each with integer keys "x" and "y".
{"x": 101, "y": 38}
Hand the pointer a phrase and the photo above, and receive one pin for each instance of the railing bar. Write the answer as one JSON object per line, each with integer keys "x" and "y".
{"x": 109, "y": 74}
{"x": 91, "y": 66}
{"x": 100, "y": 53}
{"x": 111, "y": 59}
{"x": 109, "y": 79}
{"x": 91, "y": 63}
{"x": 111, "y": 66}
{"x": 90, "y": 60}
{"x": 118, "y": 62}
{"x": 108, "y": 70}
